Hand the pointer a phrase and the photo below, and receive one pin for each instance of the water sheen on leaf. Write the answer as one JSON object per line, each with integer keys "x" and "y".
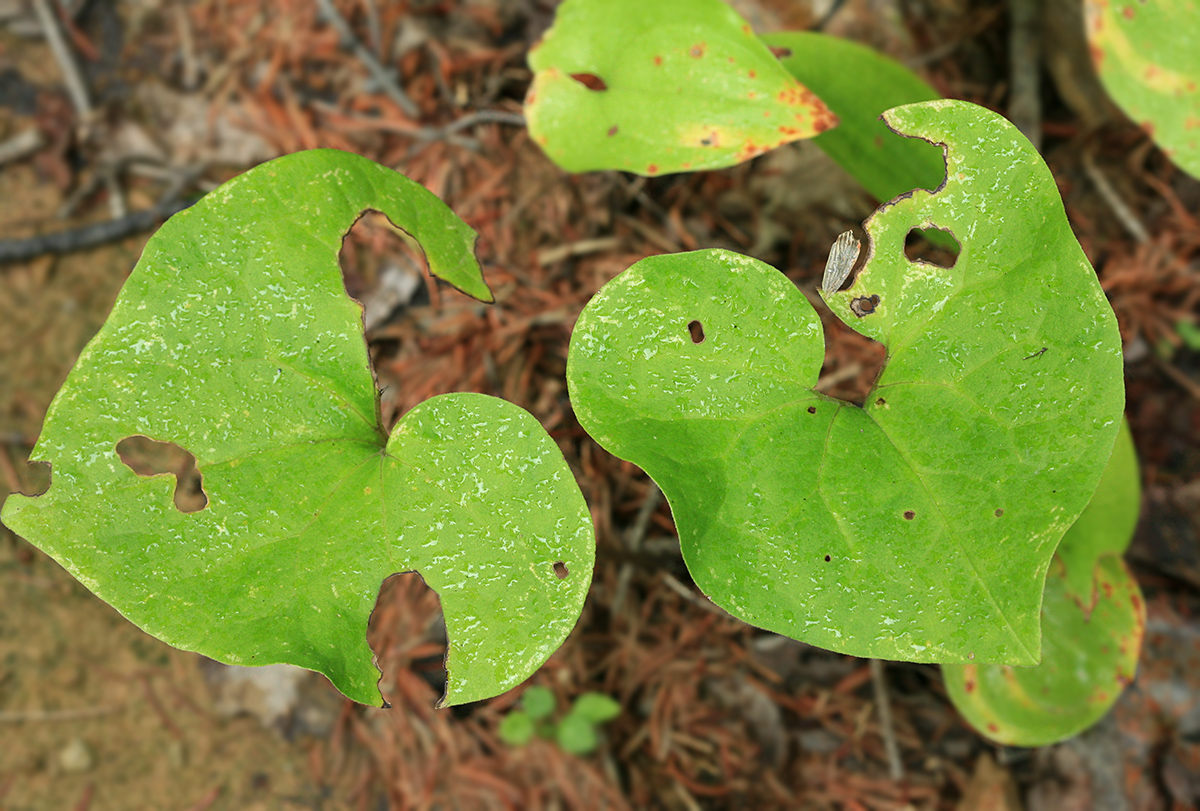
{"x": 920, "y": 526}
{"x": 235, "y": 340}
{"x": 663, "y": 86}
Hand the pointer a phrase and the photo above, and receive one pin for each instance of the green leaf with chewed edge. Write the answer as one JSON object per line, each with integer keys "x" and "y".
{"x": 661, "y": 86}
{"x": 1087, "y": 660}
{"x": 1148, "y": 58}
{"x": 1106, "y": 526}
{"x": 234, "y": 339}
{"x": 920, "y": 526}
{"x": 858, "y": 84}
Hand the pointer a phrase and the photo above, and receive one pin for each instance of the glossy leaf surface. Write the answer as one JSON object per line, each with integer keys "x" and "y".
{"x": 1148, "y": 58}
{"x": 921, "y": 525}
{"x": 234, "y": 339}
{"x": 664, "y": 86}
{"x": 1088, "y": 659}
{"x": 858, "y": 84}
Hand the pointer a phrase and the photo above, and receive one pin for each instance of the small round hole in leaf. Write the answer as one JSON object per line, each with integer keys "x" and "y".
{"x": 828, "y": 558}
{"x": 560, "y": 569}
{"x": 909, "y": 515}
{"x": 933, "y": 246}
{"x": 697, "y": 332}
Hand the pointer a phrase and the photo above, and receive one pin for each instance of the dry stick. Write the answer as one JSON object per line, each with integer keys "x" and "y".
{"x": 21, "y": 145}
{"x": 89, "y": 236}
{"x": 1128, "y": 219}
{"x": 43, "y": 716}
{"x": 1025, "y": 57}
{"x": 895, "y": 767}
{"x": 377, "y": 70}
{"x": 76, "y": 89}
{"x": 633, "y": 542}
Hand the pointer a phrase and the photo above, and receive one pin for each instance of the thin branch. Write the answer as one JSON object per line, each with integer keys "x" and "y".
{"x": 89, "y": 236}
{"x": 76, "y": 88}
{"x": 378, "y": 72}
{"x": 895, "y": 766}
{"x": 1124, "y": 213}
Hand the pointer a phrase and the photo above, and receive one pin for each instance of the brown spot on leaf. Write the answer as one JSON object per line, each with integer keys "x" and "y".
{"x": 1128, "y": 12}
{"x": 753, "y": 74}
{"x": 658, "y": 60}
{"x": 652, "y": 169}
{"x": 864, "y": 305}
{"x": 812, "y": 409}
{"x": 697, "y": 50}
{"x": 909, "y": 515}
{"x": 780, "y": 53}
{"x": 590, "y": 80}
{"x": 993, "y": 728}
{"x": 612, "y": 130}
{"x": 999, "y": 513}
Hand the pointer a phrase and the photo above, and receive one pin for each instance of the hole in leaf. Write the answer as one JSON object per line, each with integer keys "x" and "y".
{"x": 33, "y": 480}
{"x": 407, "y": 632}
{"x": 560, "y": 569}
{"x": 812, "y": 409}
{"x": 828, "y": 558}
{"x": 383, "y": 269}
{"x": 697, "y": 331}
{"x": 864, "y": 305}
{"x": 590, "y": 80}
{"x": 934, "y": 246}
{"x": 909, "y": 515}
{"x": 999, "y": 513}
{"x": 148, "y": 457}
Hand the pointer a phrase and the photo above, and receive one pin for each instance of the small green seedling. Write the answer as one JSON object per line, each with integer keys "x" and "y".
{"x": 1148, "y": 58}
{"x": 575, "y": 732}
{"x": 920, "y": 525}
{"x": 234, "y": 339}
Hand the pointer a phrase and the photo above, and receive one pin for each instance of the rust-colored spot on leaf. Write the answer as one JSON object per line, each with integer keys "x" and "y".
{"x": 753, "y": 74}
{"x": 652, "y": 169}
{"x": 590, "y": 80}
{"x": 658, "y": 60}
{"x": 698, "y": 50}
{"x": 909, "y": 515}
{"x": 612, "y": 130}
{"x": 1128, "y": 12}
{"x": 993, "y": 728}
{"x": 781, "y": 53}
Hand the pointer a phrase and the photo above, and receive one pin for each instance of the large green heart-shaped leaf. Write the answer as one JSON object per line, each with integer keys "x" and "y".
{"x": 858, "y": 84}
{"x": 1148, "y": 57}
{"x": 664, "y": 86}
{"x": 234, "y": 339}
{"x": 920, "y": 526}
{"x": 1088, "y": 658}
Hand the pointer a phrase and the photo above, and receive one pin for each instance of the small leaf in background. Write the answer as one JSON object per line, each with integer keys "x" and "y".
{"x": 235, "y": 341}
{"x": 538, "y": 702}
{"x": 516, "y": 729}
{"x": 576, "y": 735}
{"x": 1148, "y": 58}
{"x": 920, "y": 525}
{"x": 1088, "y": 658}
{"x": 858, "y": 84}
{"x": 596, "y": 707}
{"x": 1106, "y": 526}
{"x": 663, "y": 86}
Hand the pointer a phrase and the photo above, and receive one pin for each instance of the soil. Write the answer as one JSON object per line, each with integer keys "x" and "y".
{"x": 95, "y": 714}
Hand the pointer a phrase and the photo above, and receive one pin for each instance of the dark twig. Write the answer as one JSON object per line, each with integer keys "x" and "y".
{"x": 89, "y": 236}
{"x": 381, "y": 74}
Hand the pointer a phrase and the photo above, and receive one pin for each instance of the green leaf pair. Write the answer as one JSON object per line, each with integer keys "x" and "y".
{"x": 575, "y": 732}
